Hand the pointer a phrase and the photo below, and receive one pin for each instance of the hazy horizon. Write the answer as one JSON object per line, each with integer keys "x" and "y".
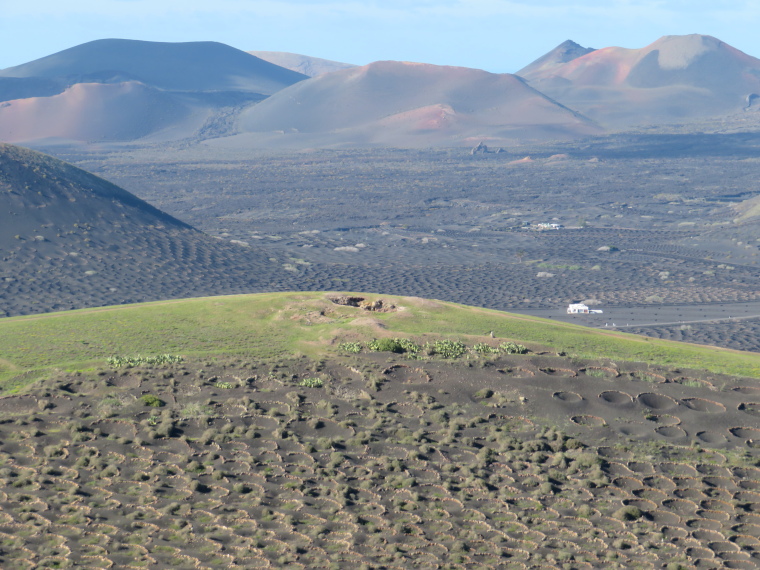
{"x": 495, "y": 35}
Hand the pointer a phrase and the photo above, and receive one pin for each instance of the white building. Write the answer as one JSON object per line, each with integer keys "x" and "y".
{"x": 581, "y": 309}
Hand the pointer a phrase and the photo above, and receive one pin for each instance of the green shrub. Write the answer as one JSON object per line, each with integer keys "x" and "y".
{"x": 385, "y": 345}
{"x": 446, "y": 348}
{"x": 351, "y": 347}
{"x": 483, "y": 348}
{"x": 397, "y": 345}
{"x": 512, "y": 348}
{"x": 152, "y": 401}
{"x": 311, "y": 383}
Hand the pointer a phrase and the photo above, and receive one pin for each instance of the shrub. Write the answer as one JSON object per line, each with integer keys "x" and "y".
{"x": 397, "y": 345}
{"x": 483, "y": 348}
{"x": 512, "y": 348}
{"x": 351, "y": 347}
{"x": 446, "y": 348}
{"x": 152, "y": 401}
{"x": 311, "y": 383}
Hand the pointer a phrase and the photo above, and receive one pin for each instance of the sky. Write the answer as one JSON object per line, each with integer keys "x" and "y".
{"x": 495, "y": 35}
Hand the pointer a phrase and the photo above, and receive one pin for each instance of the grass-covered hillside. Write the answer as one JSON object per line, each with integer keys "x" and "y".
{"x": 336, "y": 430}
{"x": 281, "y": 324}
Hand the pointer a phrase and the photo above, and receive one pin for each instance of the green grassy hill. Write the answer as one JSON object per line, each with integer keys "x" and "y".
{"x": 282, "y": 324}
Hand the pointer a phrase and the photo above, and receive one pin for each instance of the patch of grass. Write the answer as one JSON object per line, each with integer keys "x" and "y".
{"x": 129, "y": 361}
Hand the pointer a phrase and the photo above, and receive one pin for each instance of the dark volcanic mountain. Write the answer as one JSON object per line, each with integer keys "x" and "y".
{"x": 69, "y": 239}
{"x": 122, "y": 90}
{"x": 409, "y": 105}
{"x": 190, "y": 66}
{"x": 676, "y": 78}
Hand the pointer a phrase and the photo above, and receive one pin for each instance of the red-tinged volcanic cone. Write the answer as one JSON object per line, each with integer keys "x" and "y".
{"x": 98, "y": 112}
{"x": 411, "y": 104}
{"x": 674, "y": 79}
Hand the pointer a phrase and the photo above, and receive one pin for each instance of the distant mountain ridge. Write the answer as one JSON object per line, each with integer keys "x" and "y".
{"x": 308, "y": 65}
{"x": 563, "y": 53}
{"x": 116, "y": 91}
{"x": 675, "y": 78}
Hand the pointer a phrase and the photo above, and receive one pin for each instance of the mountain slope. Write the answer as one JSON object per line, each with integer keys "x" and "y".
{"x": 673, "y": 79}
{"x": 308, "y": 65}
{"x": 69, "y": 239}
{"x": 410, "y": 104}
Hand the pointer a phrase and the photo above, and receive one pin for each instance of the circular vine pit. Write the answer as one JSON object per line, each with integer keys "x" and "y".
{"x": 588, "y": 421}
{"x": 615, "y": 398}
{"x": 712, "y": 437}
{"x": 751, "y": 408}
{"x": 634, "y": 430}
{"x": 656, "y": 401}
{"x": 745, "y": 432}
{"x": 665, "y": 420}
{"x": 670, "y": 432}
{"x": 568, "y": 397}
{"x": 612, "y": 453}
{"x": 749, "y": 390}
{"x": 702, "y": 405}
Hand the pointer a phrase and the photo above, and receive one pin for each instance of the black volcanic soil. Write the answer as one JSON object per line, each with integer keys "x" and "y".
{"x": 531, "y": 461}
{"x": 69, "y": 239}
{"x": 448, "y": 225}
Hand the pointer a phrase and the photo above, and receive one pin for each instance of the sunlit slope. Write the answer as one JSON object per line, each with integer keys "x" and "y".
{"x": 95, "y": 112}
{"x": 278, "y": 324}
{"x": 406, "y": 104}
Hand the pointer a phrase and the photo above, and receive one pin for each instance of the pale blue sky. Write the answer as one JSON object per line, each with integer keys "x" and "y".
{"x": 496, "y": 35}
